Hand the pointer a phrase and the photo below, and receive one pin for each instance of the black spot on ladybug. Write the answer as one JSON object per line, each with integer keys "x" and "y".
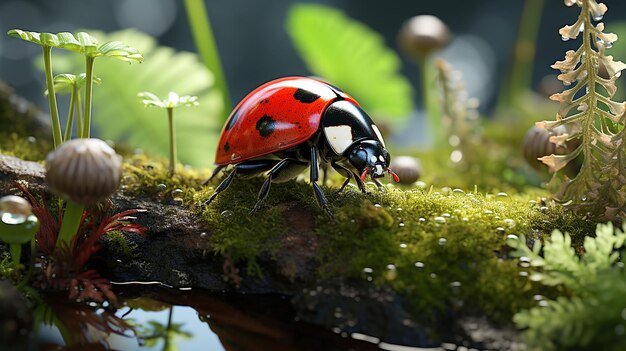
{"x": 226, "y": 147}
{"x": 304, "y": 96}
{"x": 265, "y": 125}
{"x": 233, "y": 119}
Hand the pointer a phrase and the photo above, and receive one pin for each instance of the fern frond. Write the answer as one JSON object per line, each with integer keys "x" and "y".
{"x": 590, "y": 114}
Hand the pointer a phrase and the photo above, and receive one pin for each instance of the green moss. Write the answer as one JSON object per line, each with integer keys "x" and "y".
{"x": 456, "y": 238}
{"x": 30, "y": 149}
{"x": 117, "y": 242}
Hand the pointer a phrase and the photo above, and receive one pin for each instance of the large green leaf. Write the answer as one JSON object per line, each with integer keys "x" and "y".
{"x": 351, "y": 56}
{"x": 119, "y": 116}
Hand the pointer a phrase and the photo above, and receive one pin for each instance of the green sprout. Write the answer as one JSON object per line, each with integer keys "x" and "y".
{"x": 18, "y": 225}
{"x": 86, "y": 45}
{"x": 70, "y": 83}
{"x": 172, "y": 101}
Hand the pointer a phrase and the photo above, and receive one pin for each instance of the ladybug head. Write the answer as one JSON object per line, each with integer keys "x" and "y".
{"x": 369, "y": 157}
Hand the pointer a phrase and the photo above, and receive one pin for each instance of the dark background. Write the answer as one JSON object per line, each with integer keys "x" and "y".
{"x": 255, "y": 48}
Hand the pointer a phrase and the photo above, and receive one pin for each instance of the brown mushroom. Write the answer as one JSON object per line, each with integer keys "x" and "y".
{"x": 423, "y": 35}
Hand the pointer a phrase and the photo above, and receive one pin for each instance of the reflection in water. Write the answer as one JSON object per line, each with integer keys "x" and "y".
{"x": 168, "y": 319}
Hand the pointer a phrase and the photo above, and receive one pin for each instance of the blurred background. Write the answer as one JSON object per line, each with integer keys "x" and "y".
{"x": 254, "y": 46}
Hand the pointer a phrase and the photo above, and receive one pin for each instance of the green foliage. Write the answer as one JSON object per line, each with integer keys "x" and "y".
{"x": 173, "y": 100}
{"x": 205, "y": 44}
{"x": 592, "y": 315}
{"x": 593, "y": 118}
{"x": 351, "y": 56}
{"x": 65, "y": 83}
{"x": 119, "y": 117}
{"x": 119, "y": 244}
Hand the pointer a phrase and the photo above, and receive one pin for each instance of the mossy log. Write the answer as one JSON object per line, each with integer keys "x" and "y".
{"x": 433, "y": 271}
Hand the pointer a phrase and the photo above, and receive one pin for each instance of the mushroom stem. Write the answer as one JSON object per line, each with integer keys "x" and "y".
{"x": 16, "y": 254}
{"x": 170, "y": 118}
{"x": 71, "y": 221}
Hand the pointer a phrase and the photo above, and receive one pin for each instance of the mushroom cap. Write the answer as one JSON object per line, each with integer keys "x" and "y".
{"x": 537, "y": 144}
{"x": 407, "y": 168}
{"x": 84, "y": 170}
{"x": 422, "y": 35}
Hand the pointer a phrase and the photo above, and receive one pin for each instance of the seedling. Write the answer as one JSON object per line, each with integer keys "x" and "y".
{"x": 172, "y": 101}
{"x": 86, "y": 45}
{"x": 69, "y": 83}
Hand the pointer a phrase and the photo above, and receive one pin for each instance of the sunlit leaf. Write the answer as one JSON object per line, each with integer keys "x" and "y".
{"x": 352, "y": 56}
{"x": 118, "y": 116}
{"x": 64, "y": 83}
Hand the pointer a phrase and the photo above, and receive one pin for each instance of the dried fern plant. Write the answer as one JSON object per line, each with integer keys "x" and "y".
{"x": 589, "y": 114}
{"x": 459, "y": 115}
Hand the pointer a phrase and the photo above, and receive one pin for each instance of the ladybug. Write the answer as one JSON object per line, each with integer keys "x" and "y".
{"x": 293, "y": 123}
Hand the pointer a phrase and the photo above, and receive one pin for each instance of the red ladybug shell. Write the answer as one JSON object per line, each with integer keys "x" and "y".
{"x": 275, "y": 116}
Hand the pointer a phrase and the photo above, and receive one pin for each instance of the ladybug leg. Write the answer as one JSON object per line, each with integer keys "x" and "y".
{"x": 223, "y": 186}
{"x": 282, "y": 171}
{"x": 217, "y": 171}
{"x": 380, "y": 185}
{"x": 346, "y": 173}
{"x": 314, "y": 176}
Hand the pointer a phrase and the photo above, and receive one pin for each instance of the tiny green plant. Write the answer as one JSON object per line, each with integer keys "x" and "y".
{"x": 172, "y": 101}
{"x": 588, "y": 113}
{"x": 86, "y": 45}
{"x": 70, "y": 83}
{"x": 592, "y": 314}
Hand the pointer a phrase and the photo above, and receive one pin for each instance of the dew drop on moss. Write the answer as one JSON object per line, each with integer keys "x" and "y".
{"x": 420, "y": 184}
{"x": 500, "y": 230}
{"x": 422, "y": 220}
{"x": 401, "y": 225}
{"x": 488, "y": 212}
{"x": 161, "y": 187}
{"x": 419, "y": 265}
{"x": 391, "y": 272}
{"x": 458, "y": 191}
{"x": 176, "y": 192}
{"x": 377, "y": 205}
{"x": 502, "y": 194}
{"x": 509, "y": 223}
{"x": 442, "y": 241}
{"x": 226, "y": 214}
{"x": 403, "y": 246}
{"x": 202, "y": 235}
{"x": 440, "y": 220}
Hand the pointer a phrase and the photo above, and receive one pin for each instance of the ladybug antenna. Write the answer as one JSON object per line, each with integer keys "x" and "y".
{"x": 364, "y": 174}
{"x": 394, "y": 175}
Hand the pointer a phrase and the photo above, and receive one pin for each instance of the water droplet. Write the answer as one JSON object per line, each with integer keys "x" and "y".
{"x": 456, "y": 156}
{"x": 422, "y": 220}
{"x": 598, "y": 17}
{"x": 419, "y": 265}
{"x": 202, "y": 235}
{"x": 454, "y": 140}
{"x": 161, "y": 187}
{"x": 403, "y": 246}
{"x": 401, "y": 225}
{"x": 509, "y": 223}
{"x": 178, "y": 200}
{"x": 391, "y": 273}
{"x": 367, "y": 273}
{"x": 512, "y": 238}
{"x": 445, "y": 215}
{"x": 442, "y": 241}
{"x": 458, "y": 191}
{"x": 31, "y": 139}
{"x": 488, "y": 212}
{"x": 564, "y": 38}
{"x": 377, "y": 205}
{"x": 500, "y": 230}
{"x": 543, "y": 209}
{"x": 420, "y": 184}
{"x": 433, "y": 275}
{"x": 523, "y": 274}
{"x": 12, "y": 218}
{"x": 399, "y": 209}
{"x": 226, "y": 214}
{"x": 440, "y": 220}
{"x": 176, "y": 192}
{"x": 502, "y": 194}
